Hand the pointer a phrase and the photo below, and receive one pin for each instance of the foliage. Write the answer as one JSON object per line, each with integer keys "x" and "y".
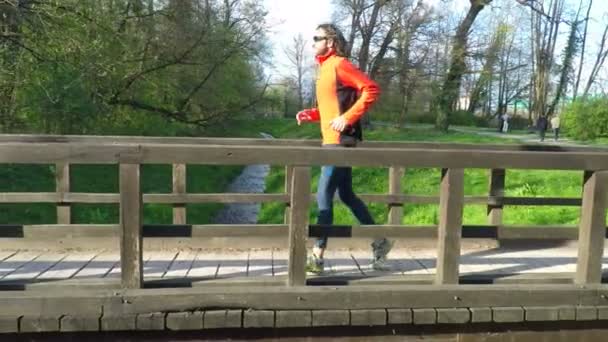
{"x": 586, "y": 118}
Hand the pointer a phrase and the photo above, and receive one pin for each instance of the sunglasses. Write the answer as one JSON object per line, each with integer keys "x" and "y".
{"x": 318, "y": 38}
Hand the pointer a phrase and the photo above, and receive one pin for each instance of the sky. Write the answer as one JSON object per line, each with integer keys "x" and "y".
{"x": 288, "y": 18}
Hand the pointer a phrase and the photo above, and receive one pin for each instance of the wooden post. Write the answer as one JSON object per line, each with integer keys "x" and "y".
{"x": 451, "y": 201}
{"x": 497, "y": 189}
{"x": 288, "y": 180}
{"x": 592, "y": 229}
{"x": 179, "y": 187}
{"x": 395, "y": 210}
{"x": 298, "y": 225}
{"x": 131, "y": 242}
{"x": 62, "y": 183}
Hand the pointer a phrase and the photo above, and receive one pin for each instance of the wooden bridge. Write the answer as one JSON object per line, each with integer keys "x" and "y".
{"x": 470, "y": 280}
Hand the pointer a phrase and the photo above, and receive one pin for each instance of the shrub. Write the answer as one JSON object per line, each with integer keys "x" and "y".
{"x": 586, "y": 119}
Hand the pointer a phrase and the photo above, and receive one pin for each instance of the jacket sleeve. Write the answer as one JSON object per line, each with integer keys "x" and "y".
{"x": 351, "y": 76}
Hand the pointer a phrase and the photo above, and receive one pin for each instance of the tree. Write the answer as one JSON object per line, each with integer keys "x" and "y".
{"x": 89, "y": 62}
{"x": 451, "y": 86}
{"x": 296, "y": 56}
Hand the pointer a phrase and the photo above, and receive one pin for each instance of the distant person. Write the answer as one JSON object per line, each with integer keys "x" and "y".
{"x": 505, "y": 123}
{"x": 339, "y": 110}
{"x": 555, "y": 126}
{"x": 541, "y": 125}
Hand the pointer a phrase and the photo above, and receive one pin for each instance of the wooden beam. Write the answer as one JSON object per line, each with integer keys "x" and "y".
{"x": 395, "y": 210}
{"x": 450, "y": 226}
{"x": 497, "y": 189}
{"x": 179, "y": 188}
{"x": 131, "y": 215}
{"x": 298, "y": 226}
{"x": 288, "y": 178}
{"x": 62, "y": 183}
{"x": 298, "y": 155}
{"x": 592, "y": 229}
{"x": 46, "y": 138}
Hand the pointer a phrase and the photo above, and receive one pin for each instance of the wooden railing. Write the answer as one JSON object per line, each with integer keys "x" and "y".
{"x": 299, "y": 156}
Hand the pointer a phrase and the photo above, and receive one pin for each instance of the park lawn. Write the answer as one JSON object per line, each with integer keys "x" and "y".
{"x": 202, "y": 178}
{"x": 419, "y": 181}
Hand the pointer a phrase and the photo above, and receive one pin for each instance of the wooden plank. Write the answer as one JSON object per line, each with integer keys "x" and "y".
{"x": 586, "y": 313}
{"x": 185, "y": 320}
{"x": 79, "y": 323}
{"x": 118, "y": 322}
{"x": 541, "y": 313}
{"x": 6, "y": 254}
{"x": 453, "y": 316}
{"x": 567, "y": 313}
{"x": 342, "y": 262}
{"x": 328, "y": 318}
{"x": 358, "y": 297}
{"x": 395, "y": 210}
{"x": 68, "y": 266}
{"x": 131, "y": 215}
{"x": 368, "y": 317}
{"x": 293, "y": 318}
{"x": 36, "y": 267}
{"x": 288, "y": 178}
{"x": 9, "y": 324}
{"x": 592, "y": 229}
{"x": 16, "y": 261}
{"x": 450, "y": 226}
{"x": 178, "y": 199}
{"x": 205, "y": 265}
{"x": 259, "y": 262}
{"x": 182, "y": 264}
{"x": 481, "y": 315}
{"x": 48, "y": 153}
{"x": 150, "y": 321}
{"x": 159, "y": 263}
{"x": 497, "y": 188}
{"x": 220, "y": 319}
{"x": 31, "y": 324}
{"x": 232, "y": 265}
{"x": 602, "y": 312}
{"x": 399, "y": 316}
{"x": 99, "y": 266}
{"x": 214, "y": 198}
{"x": 179, "y": 187}
{"x": 279, "y": 262}
{"x": 424, "y": 316}
{"x": 49, "y": 138}
{"x": 53, "y": 231}
{"x": 298, "y": 226}
{"x": 258, "y": 319}
{"x": 507, "y": 314}
{"x": 62, "y": 184}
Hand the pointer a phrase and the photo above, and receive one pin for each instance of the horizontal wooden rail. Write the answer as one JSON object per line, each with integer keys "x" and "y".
{"x": 78, "y": 197}
{"x": 35, "y": 138}
{"x": 446, "y": 157}
{"x": 507, "y": 232}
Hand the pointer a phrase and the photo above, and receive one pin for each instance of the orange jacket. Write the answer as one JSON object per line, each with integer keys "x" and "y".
{"x": 337, "y": 75}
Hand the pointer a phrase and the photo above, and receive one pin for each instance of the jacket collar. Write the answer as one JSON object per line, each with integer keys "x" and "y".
{"x": 321, "y": 59}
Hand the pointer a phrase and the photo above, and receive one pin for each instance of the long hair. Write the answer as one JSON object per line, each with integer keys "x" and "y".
{"x": 334, "y": 33}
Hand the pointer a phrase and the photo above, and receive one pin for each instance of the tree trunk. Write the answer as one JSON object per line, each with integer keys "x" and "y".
{"x": 583, "y": 45}
{"x": 451, "y": 87}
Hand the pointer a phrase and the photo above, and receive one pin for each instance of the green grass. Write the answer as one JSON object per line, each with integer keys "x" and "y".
{"x": 201, "y": 178}
{"x": 419, "y": 181}
{"x": 104, "y": 179}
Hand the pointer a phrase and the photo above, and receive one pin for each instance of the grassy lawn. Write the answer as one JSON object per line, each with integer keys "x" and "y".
{"x": 200, "y": 178}
{"x": 426, "y": 182}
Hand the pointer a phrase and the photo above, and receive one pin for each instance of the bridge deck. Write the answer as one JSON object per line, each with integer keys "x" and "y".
{"x": 38, "y": 266}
